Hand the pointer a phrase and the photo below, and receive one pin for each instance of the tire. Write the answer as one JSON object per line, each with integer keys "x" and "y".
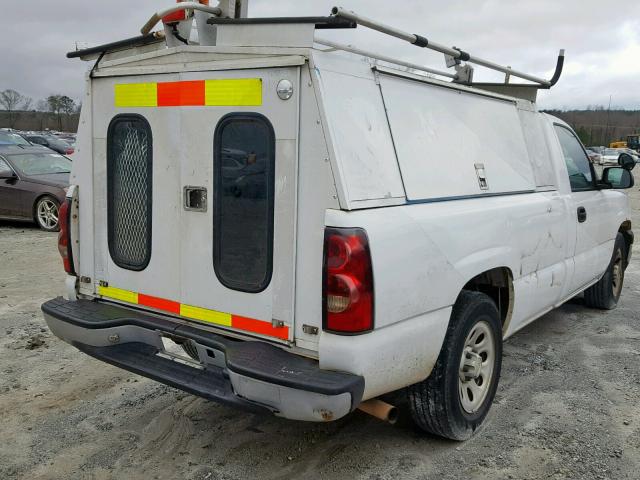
{"x": 606, "y": 293}
{"x": 438, "y": 404}
{"x": 46, "y": 212}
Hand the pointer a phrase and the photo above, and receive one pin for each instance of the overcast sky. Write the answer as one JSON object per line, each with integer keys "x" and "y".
{"x": 602, "y": 39}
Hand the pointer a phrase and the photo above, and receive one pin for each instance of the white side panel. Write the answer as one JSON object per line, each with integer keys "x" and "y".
{"x": 424, "y": 254}
{"x": 389, "y": 358}
{"x": 537, "y": 148}
{"x": 441, "y": 134}
{"x": 362, "y": 142}
{"x": 316, "y": 193}
{"x": 82, "y": 175}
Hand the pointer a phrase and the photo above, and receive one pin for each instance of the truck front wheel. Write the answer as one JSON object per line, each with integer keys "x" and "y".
{"x": 455, "y": 399}
{"x": 606, "y": 293}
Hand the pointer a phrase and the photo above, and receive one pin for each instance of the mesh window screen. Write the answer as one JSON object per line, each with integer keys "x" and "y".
{"x": 129, "y": 187}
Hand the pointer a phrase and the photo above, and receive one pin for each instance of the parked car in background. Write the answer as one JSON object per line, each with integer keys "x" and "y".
{"x": 8, "y": 137}
{"x": 594, "y": 157}
{"x": 635, "y": 155}
{"x": 67, "y": 137}
{"x": 33, "y": 184}
{"x": 598, "y": 150}
{"x": 610, "y": 156}
{"x": 54, "y": 143}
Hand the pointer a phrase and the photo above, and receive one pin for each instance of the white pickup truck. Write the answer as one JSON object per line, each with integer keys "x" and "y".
{"x": 316, "y": 225}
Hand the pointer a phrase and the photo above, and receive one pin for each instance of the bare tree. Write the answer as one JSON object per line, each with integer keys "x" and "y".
{"x": 27, "y": 104}
{"x": 14, "y": 102}
{"x": 42, "y": 106}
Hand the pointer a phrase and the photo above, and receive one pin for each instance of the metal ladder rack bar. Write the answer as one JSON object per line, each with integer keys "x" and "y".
{"x": 456, "y": 53}
{"x": 383, "y": 58}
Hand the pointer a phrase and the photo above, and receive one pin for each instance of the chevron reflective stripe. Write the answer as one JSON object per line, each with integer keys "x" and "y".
{"x": 199, "y": 314}
{"x": 237, "y": 92}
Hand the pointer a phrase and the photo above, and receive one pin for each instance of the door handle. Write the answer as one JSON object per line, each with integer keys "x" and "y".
{"x": 582, "y": 214}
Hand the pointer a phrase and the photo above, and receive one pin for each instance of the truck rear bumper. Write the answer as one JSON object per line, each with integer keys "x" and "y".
{"x": 254, "y": 376}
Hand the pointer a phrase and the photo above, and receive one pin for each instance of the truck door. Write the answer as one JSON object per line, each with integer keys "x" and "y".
{"x": 205, "y": 167}
{"x": 589, "y": 212}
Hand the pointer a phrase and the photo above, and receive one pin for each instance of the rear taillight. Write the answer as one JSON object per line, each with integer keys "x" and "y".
{"x": 64, "y": 236}
{"x": 69, "y": 151}
{"x": 348, "y": 281}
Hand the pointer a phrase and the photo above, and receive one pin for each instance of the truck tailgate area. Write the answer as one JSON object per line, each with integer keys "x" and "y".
{"x": 253, "y": 375}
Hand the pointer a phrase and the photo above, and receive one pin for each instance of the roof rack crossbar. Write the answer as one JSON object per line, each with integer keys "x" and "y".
{"x": 383, "y": 58}
{"x": 456, "y": 53}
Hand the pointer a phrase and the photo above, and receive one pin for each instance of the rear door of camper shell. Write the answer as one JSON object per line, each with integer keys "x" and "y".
{"x": 195, "y": 196}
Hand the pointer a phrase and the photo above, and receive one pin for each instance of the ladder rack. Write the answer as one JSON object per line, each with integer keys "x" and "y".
{"x": 454, "y": 56}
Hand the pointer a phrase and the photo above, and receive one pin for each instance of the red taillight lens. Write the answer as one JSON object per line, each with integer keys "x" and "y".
{"x": 64, "y": 236}
{"x": 70, "y": 151}
{"x": 348, "y": 281}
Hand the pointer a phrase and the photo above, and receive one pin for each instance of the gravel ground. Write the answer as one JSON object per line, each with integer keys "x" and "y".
{"x": 567, "y": 405}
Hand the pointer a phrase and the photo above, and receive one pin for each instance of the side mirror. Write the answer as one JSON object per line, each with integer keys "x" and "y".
{"x": 618, "y": 177}
{"x": 7, "y": 174}
{"x": 626, "y": 161}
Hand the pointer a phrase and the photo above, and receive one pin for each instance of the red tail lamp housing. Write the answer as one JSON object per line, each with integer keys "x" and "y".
{"x": 347, "y": 296}
{"x": 64, "y": 236}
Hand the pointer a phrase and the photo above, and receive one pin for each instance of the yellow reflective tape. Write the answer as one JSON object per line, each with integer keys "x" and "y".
{"x": 209, "y": 316}
{"x": 118, "y": 294}
{"x": 136, "y": 95}
{"x": 236, "y": 92}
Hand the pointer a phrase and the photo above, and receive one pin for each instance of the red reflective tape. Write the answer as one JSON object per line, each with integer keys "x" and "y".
{"x": 259, "y": 327}
{"x": 181, "y": 94}
{"x": 159, "y": 304}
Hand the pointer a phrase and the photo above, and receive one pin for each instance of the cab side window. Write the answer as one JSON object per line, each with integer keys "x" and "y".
{"x": 578, "y": 165}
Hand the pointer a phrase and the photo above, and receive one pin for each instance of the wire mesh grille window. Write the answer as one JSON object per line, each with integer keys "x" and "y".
{"x": 244, "y": 167}
{"x": 129, "y": 187}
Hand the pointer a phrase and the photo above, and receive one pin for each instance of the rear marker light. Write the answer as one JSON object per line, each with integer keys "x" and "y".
{"x": 348, "y": 281}
{"x": 64, "y": 236}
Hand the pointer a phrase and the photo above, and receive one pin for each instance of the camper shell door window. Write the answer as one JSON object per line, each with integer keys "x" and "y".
{"x": 244, "y": 169}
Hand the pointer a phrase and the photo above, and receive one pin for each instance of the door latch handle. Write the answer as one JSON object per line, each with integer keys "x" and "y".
{"x": 582, "y": 214}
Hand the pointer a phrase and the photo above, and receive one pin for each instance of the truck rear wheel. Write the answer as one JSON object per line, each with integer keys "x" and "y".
{"x": 606, "y": 293}
{"x": 455, "y": 399}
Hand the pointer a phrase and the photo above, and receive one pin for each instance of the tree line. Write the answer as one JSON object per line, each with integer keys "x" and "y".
{"x": 14, "y": 103}
{"x": 598, "y": 126}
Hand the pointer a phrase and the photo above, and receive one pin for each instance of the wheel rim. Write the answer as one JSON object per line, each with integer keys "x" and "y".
{"x": 618, "y": 275}
{"x": 476, "y": 367}
{"x": 48, "y": 214}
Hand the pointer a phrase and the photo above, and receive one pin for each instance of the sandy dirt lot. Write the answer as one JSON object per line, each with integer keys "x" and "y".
{"x": 567, "y": 406}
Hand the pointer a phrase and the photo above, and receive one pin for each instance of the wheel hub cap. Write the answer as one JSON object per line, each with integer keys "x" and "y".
{"x": 618, "y": 275}
{"x": 48, "y": 214}
{"x": 476, "y": 367}
{"x": 472, "y": 363}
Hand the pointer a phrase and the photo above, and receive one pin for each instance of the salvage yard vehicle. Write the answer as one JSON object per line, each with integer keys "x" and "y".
{"x": 54, "y": 143}
{"x": 287, "y": 210}
{"x": 33, "y": 184}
